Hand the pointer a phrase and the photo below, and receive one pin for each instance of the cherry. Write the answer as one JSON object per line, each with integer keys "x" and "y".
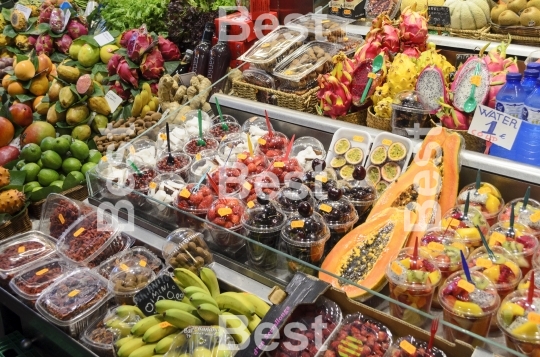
{"x": 318, "y": 165}
{"x": 295, "y": 183}
{"x": 334, "y": 193}
{"x": 263, "y": 199}
{"x": 305, "y": 209}
{"x": 359, "y": 173}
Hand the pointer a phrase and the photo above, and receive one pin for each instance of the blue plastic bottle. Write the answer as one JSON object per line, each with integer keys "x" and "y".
{"x": 534, "y": 65}
{"x": 531, "y": 108}
{"x": 511, "y": 97}
{"x": 529, "y": 80}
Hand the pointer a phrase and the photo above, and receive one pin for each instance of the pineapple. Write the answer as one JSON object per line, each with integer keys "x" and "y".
{"x": 11, "y": 201}
{"x": 4, "y": 177}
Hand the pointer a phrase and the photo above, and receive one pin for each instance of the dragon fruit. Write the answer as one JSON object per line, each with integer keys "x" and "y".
{"x": 343, "y": 68}
{"x": 126, "y": 36}
{"x": 495, "y": 58}
{"x": 138, "y": 44}
{"x": 154, "y": 88}
{"x": 119, "y": 90}
{"x": 57, "y": 20}
{"x": 413, "y": 26}
{"x": 452, "y": 118}
{"x": 402, "y": 74}
{"x": 45, "y": 13}
{"x": 360, "y": 79}
{"x": 169, "y": 50}
{"x": 432, "y": 57}
{"x": 44, "y": 44}
{"x": 411, "y": 51}
{"x": 510, "y": 65}
{"x": 112, "y": 65}
{"x": 461, "y": 86}
{"x": 498, "y": 79}
{"x": 152, "y": 65}
{"x": 75, "y": 29}
{"x": 25, "y": 43}
{"x": 62, "y": 43}
{"x": 128, "y": 75}
{"x": 368, "y": 50}
{"x": 431, "y": 88}
{"x": 336, "y": 98}
{"x": 390, "y": 37}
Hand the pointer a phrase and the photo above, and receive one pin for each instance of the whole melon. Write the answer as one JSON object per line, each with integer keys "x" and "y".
{"x": 468, "y": 14}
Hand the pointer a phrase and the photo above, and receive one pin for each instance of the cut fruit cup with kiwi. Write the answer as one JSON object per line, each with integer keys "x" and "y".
{"x": 519, "y": 241}
{"x": 412, "y": 281}
{"x": 414, "y": 348}
{"x": 526, "y": 281}
{"x": 342, "y": 146}
{"x": 487, "y": 199}
{"x": 469, "y": 305}
{"x": 379, "y": 155}
{"x": 397, "y": 152}
{"x": 390, "y": 171}
{"x": 465, "y": 225}
{"x": 529, "y": 215}
{"x": 519, "y": 323}
{"x": 359, "y": 192}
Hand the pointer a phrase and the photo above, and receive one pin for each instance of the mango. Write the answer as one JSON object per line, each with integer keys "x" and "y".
{"x": 493, "y": 204}
{"x": 77, "y": 114}
{"x": 493, "y": 273}
{"x": 469, "y": 233}
{"x": 529, "y": 329}
{"x": 468, "y": 308}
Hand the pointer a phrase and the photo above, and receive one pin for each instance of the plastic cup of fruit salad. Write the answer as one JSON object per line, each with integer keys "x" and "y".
{"x": 274, "y": 145}
{"x": 285, "y": 169}
{"x": 470, "y": 306}
{"x": 521, "y": 243}
{"x": 487, "y": 199}
{"x": 218, "y": 132}
{"x": 262, "y": 184}
{"x": 229, "y": 179}
{"x": 526, "y": 281}
{"x": 320, "y": 181}
{"x": 523, "y": 214}
{"x": 520, "y": 322}
{"x": 410, "y": 346}
{"x": 465, "y": 226}
{"x": 362, "y": 195}
{"x": 255, "y": 164}
{"x": 192, "y": 202}
{"x": 226, "y": 214}
{"x": 201, "y": 167}
{"x": 412, "y": 283}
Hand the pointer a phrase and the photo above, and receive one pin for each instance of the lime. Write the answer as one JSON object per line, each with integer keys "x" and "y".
{"x": 51, "y": 160}
{"x": 378, "y": 155}
{"x": 71, "y": 164}
{"x": 338, "y": 162}
{"x": 58, "y": 183}
{"x": 373, "y": 174}
{"x": 40, "y": 163}
{"x": 19, "y": 165}
{"x": 354, "y": 156}
{"x": 47, "y": 143}
{"x": 94, "y": 156}
{"x": 30, "y": 186}
{"x": 37, "y": 189}
{"x": 341, "y": 146}
{"x": 86, "y": 167}
{"x": 397, "y": 152}
{"x": 78, "y": 176}
{"x": 68, "y": 138}
{"x": 32, "y": 170}
{"x": 346, "y": 172}
{"x": 79, "y": 150}
{"x": 47, "y": 176}
{"x": 30, "y": 153}
{"x": 62, "y": 177}
{"x": 61, "y": 145}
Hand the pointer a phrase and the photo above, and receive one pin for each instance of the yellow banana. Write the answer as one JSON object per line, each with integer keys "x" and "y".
{"x": 137, "y": 106}
{"x": 122, "y": 341}
{"x": 188, "y": 278}
{"x": 253, "y": 322}
{"x": 130, "y": 346}
{"x": 209, "y": 278}
{"x": 261, "y": 307}
{"x": 146, "y": 87}
{"x": 165, "y": 343}
{"x": 190, "y": 290}
{"x": 181, "y": 319}
{"x": 144, "y": 351}
{"x": 237, "y": 328}
{"x": 157, "y": 332}
{"x": 143, "y": 325}
{"x": 122, "y": 327}
{"x": 145, "y": 97}
{"x": 126, "y": 310}
{"x": 235, "y": 302}
{"x": 164, "y": 305}
{"x": 210, "y": 313}
{"x": 200, "y": 298}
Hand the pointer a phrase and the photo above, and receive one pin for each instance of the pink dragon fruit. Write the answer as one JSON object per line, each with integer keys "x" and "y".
{"x": 413, "y": 26}
{"x": 461, "y": 86}
{"x": 168, "y": 49}
{"x": 118, "y": 89}
{"x": 44, "y": 44}
{"x": 75, "y": 29}
{"x": 382, "y": 31}
{"x": 411, "y": 51}
{"x": 62, "y": 43}
{"x": 154, "y": 88}
{"x": 128, "y": 75}
{"x": 57, "y": 20}
{"x": 45, "y": 13}
{"x": 390, "y": 38}
{"x": 343, "y": 68}
{"x": 138, "y": 44}
{"x": 498, "y": 79}
{"x": 32, "y": 40}
{"x": 112, "y": 65}
{"x": 368, "y": 50}
{"x": 431, "y": 87}
{"x": 125, "y": 37}
{"x": 336, "y": 99}
{"x": 152, "y": 65}
{"x": 360, "y": 79}
{"x": 495, "y": 58}
{"x": 510, "y": 65}
{"x": 452, "y": 118}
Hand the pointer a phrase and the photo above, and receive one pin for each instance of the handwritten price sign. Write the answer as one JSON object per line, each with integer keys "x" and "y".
{"x": 495, "y": 126}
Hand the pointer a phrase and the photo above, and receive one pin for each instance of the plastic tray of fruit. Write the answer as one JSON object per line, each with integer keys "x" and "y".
{"x": 59, "y": 212}
{"x": 320, "y": 26}
{"x": 350, "y": 43}
{"x": 375, "y": 7}
{"x": 409, "y": 346}
{"x": 349, "y": 147}
{"x": 388, "y": 159}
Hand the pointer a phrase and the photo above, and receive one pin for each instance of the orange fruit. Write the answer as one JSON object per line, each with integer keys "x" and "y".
{"x": 39, "y": 107}
{"x": 39, "y": 85}
{"x": 44, "y": 64}
{"x": 15, "y": 88}
{"x": 36, "y": 102}
{"x": 6, "y": 81}
{"x": 53, "y": 72}
{"x": 25, "y": 70}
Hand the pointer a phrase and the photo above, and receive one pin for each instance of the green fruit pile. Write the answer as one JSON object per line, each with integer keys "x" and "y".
{"x": 49, "y": 163}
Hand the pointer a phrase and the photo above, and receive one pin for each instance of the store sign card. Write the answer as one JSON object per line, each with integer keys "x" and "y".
{"x": 25, "y": 10}
{"x": 162, "y": 288}
{"x": 439, "y": 15}
{"x": 495, "y": 126}
{"x": 104, "y": 38}
{"x": 114, "y": 100}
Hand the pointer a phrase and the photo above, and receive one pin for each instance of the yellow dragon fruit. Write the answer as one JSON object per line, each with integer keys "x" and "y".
{"x": 380, "y": 93}
{"x": 383, "y": 109}
{"x": 2, "y": 22}
{"x": 402, "y": 75}
{"x": 432, "y": 57}
{"x": 5, "y": 41}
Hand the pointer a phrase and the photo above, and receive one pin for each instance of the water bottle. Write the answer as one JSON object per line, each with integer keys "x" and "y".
{"x": 529, "y": 80}
{"x": 511, "y": 97}
{"x": 531, "y": 107}
{"x": 534, "y": 65}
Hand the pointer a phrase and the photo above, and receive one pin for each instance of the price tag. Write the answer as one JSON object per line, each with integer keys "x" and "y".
{"x": 476, "y": 80}
{"x": 534, "y": 317}
{"x": 325, "y": 21}
{"x": 165, "y": 324}
{"x": 78, "y": 232}
{"x": 104, "y": 38}
{"x": 104, "y": 159}
{"x": 161, "y": 288}
{"x": 535, "y": 217}
{"x": 152, "y": 185}
{"x": 225, "y": 211}
{"x": 198, "y": 156}
{"x": 454, "y": 223}
{"x": 25, "y": 10}
{"x": 163, "y": 136}
{"x": 124, "y": 267}
{"x": 461, "y": 58}
{"x": 372, "y": 75}
{"x": 113, "y": 99}
{"x": 497, "y": 237}
{"x": 396, "y": 268}
{"x": 61, "y": 218}
{"x": 21, "y": 249}
{"x": 484, "y": 263}
{"x": 41, "y": 272}
{"x": 241, "y": 156}
{"x": 387, "y": 142}
{"x": 247, "y": 186}
{"x": 297, "y": 224}
{"x": 74, "y": 293}
{"x": 183, "y": 118}
{"x": 251, "y": 204}
{"x": 90, "y": 6}
{"x": 407, "y": 347}
{"x": 495, "y": 126}
{"x": 261, "y": 141}
{"x": 67, "y": 15}
{"x": 325, "y": 208}
{"x": 358, "y": 138}
{"x": 436, "y": 246}
{"x": 142, "y": 263}
{"x": 439, "y": 16}
{"x": 321, "y": 178}
{"x": 185, "y": 193}
{"x": 465, "y": 285}
{"x": 279, "y": 164}
{"x": 264, "y": 45}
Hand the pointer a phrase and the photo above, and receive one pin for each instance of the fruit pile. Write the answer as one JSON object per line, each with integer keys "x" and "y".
{"x": 516, "y": 13}
{"x": 11, "y": 200}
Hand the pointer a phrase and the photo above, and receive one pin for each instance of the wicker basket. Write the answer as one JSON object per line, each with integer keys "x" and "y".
{"x": 375, "y": 122}
{"x": 359, "y": 117}
{"x": 304, "y": 102}
{"x": 520, "y": 34}
{"x": 472, "y": 143}
{"x": 20, "y": 224}
{"x": 472, "y": 34}
{"x": 79, "y": 193}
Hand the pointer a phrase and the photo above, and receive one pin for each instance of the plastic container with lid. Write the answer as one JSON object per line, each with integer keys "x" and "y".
{"x": 143, "y": 150}
{"x": 191, "y": 122}
{"x": 256, "y": 127}
{"x": 30, "y": 283}
{"x": 185, "y": 248}
{"x": 192, "y": 147}
{"x": 163, "y": 189}
{"x": 254, "y": 164}
{"x": 195, "y": 201}
{"x": 212, "y": 339}
{"x": 360, "y": 192}
{"x": 178, "y": 135}
{"x": 408, "y": 346}
{"x": 201, "y": 167}
{"x": 465, "y": 225}
{"x": 72, "y": 302}
{"x": 261, "y": 184}
{"x": 487, "y": 199}
{"x": 285, "y": 169}
{"x": 323, "y": 27}
{"x": 266, "y": 53}
{"x": 301, "y": 69}
{"x": 228, "y": 179}
{"x": 226, "y": 118}
{"x": 320, "y": 179}
{"x": 350, "y": 43}
{"x": 409, "y": 113}
{"x": 526, "y": 281}
{"x": 21, "y": 251}
{"x": 59, "y": 212}
{"x": 529, "y": 216}
{"x": 99, "y": 338}
{"x": 291, "y": 195}
{"x": 126, "y": 282}
{"x": 304, "y": 236}
{"x": 226, "y": 213}
{"x": 273, "y": 145}
{"x": 133, "y": 257}
{"x": 260, "y": 78}
{"x": 231, "y": 146}
{"x": 180, "y": 166}
{"x": 220, "y": 132}
{"x": 376, "y": 7}
{"x": 263, "y": 221}
{"x": 307, "y": 148}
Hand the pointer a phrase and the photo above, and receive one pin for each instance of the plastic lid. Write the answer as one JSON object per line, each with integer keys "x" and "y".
{"x": 233, "y": 144}
{"x": 164, "y": 188}
{"x": 178, "y": 135}
{"x": 305, "y": 60}
{"x": 521, "y": 213}
{"x": 185, "y": 248}
{"x": 336, "y": 209}
{"x": 143, "y": 150}
{"x": 456, "y": 219}
{"x": 226, "y": 118}
{"x": 519, "y": 241}
{"x": 73, "y": 297}
{"x": 531, "y": 73}
{"x": 31, "y": 282}
{"x": 322, "y": 19}
{"x": 481, "y": 298}
{"x": 408, "y": 345}
{"x": 274, "y": 145}
{"x": 129, "y": 280}
{"x": 273, "y": 45}
{"x": 404, "y": 272}
{"x": 285, "y": 169}
{"x": 410, "y": 101}
{"x": 228, "y": 178}
{"x": 59, "y": 212}
{"x": 359, "y": 192}
{"x": 23, "y": 250}
{"x": 503, "y": 270}
{"x": 219, "y": 133}
{"x": 134, "y": 257}
{"x": 307, "y": 148}
{"x": 181, "y": 162}
{"x": 194, "y": 200}
{"x": 140, "y": 179}
{"x": 305, "y": 229}
{"x": 99, "y": 336}
{"x": 264, "y": 217}
{"x": 226, "y": 213}
{"x": 525, "y": 282}
{"x": 255, "y": 125}
{"x": 519, "y": 319}
{"x": 192, "y": 148}
{"x": 513, "y": 76}
{"x": 290, "y": 196}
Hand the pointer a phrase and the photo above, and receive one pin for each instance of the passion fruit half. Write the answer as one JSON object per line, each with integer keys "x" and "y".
{"x": 390, "y": 171}
{"x": 354, "y": 156}
{"x": 346, "y": 172}
{"x": 379, "y": 155}
{"x": 397, "y": 152}
{"x": 337, "y": 162}
{"x": 381, "y": 186}
{"x": 373, "y": 174}
{"x": 342, "y": 146}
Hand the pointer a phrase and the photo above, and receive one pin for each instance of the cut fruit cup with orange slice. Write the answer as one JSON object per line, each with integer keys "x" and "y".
{"x": 520, "y": 322}
{"x": 529, "y": 215}
{"x": 465, "y": 225}
{"x": 412, "y": 282}
{"x": 526, "y": 281}
{"x": 487, "y": 199}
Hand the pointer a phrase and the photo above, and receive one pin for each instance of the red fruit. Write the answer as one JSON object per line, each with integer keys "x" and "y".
{"x": 36, "y": 132}
{"x": 7, "y": 131}
{"x": 7, "y": 154}
{"x": 21, "y": 114}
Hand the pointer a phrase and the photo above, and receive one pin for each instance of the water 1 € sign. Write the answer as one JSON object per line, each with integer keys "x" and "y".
{"x": 495, "y": 126}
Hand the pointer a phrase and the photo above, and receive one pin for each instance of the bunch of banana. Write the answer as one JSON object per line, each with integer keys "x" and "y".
{"x": 124, "y": 318}
{"x": 144, "y": 102}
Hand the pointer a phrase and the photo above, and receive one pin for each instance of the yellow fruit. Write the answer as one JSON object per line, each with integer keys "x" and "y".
{"x": 15, "y": 88}
{"x": 468, "y": 233}
{"x": 493, "y": 204}
{"x": 493, "y": 273}
{"x": 513, "y": 308}
{"x": 527, "y": 329}
{"x": 513, "y": 266}
{"x": 25, "y": 70}
{"x": 468, "y": 308}
{"x": 39, "y": 85}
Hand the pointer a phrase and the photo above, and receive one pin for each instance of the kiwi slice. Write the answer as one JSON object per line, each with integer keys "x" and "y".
{"x": 346, "y": 172}
{"x": 379, "y": 155}
{"x": 354, "y": 156}
{"x": 373, "y": 174}
{"x": 381, "y": 186}
{"x": 390, "y": 171}
{"x": 397, "y": 152}
{"x": 342, "y": 146}
{"x": 337, "y": 162}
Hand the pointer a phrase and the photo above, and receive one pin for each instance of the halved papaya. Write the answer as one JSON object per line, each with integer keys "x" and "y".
{"x": 364, "y": 253}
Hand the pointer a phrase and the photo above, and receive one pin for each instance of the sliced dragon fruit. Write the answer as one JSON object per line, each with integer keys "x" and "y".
{"x": 360, "y": 79}
{"x": 431, "y": 87}
{"x": 461, "y": 87}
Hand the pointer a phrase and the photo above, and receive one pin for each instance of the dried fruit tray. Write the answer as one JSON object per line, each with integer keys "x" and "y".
{"x": 357, "y": 139}
{"x": 375, "y": 7}
{"x": 323, "y": 27}
{"x": 350, "y": 43}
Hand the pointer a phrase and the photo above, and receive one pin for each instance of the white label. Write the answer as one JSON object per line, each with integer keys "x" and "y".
{"x": 67, "y": 15}
{"x": 104, "y": 38}
{"x": 495, "y": 126}
{"x": 530, "y": 114}
{"x": 25, "y": 10}
{"x": 113, "y": 99}
{"x": 90, "y": 6}
{"x": 512, "y": 109}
